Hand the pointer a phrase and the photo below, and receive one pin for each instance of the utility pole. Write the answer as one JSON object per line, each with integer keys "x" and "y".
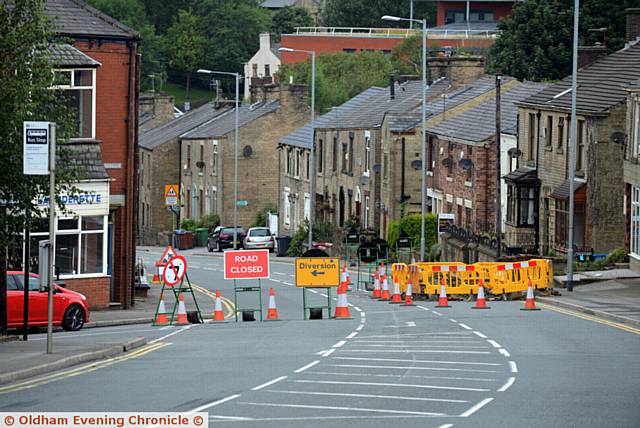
{"x": 498, "y": 175}
{"x": 52, "y": 235}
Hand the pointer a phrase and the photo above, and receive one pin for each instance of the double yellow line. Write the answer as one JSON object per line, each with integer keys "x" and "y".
{"x": 590, "y": 318}
{"x": 87, "y": 368}
{"x": 228, "y": 304}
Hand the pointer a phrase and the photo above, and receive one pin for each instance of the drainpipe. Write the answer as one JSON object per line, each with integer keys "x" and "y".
{"x": 127, "y": 299}
{"x": 402, "y": 173}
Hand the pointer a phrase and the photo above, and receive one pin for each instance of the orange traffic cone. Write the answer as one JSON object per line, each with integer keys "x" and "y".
{"x": 530, "y": 303}
{"x": 383, "y": 270}
{"x": 348, "y": 276}
{"x": 385, "y": 288}
{"x": 481, "y": 303}
{"x": 396, "y": 298}
{"x": 442, "y": 301}
{"x": 182, "y": 313}
{"x": 272, "y": 312}
{"x": 408, "y": 295}
{"x": 218, "y": 315}
{"x": 156, "y": 277}
{"x": 376, "y": 286}
{"x": 342, "y": 306}
{"x": 161, "y": 315}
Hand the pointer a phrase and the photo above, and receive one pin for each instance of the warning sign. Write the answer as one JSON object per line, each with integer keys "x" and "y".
{"x": 246, "y": 264}
{"x": 317, "y": 272}
{"x": 174, "y": 270}
{"x": 171, "y": 195}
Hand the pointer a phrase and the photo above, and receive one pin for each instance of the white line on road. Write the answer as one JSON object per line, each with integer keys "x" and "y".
{"x": 452, "y": 320}
{"x": 360, "y": 327}
{"x": 412, "y": 351}
{"x": 390, "y": 397}
{"x": 415, "y": 345}
{"x": 322, "y": 294}
{"x": 353, "y": 409}
{"x": 365, "y": 366}
{"x": 389, "y": 342}
{"x": 401, "y": 385}
{"x": 423, "y": 308}
{"x": 208, "y": 268}
{"x": 287, "y": 283}
{"x": 472, "y": 379}
{"x": 507, "y": 384}
{"x": 466, "y": 327}
{"x": 410, "y": 323}
{"x": 301, "y": 369}
{"x": 446, "y": 426}
{"x": 329, "y": 352}
{"x": 352, "y": 335}
{"x": 504, "y": 352}
{"x": 171, "y": 334}
{"x": 494, "y": 343}
{"x": 397, "y": 336}
{"x": 271, "y": 382}
{"x": 477, "y": 407}
{"x": 339, "y": 344}
{"x": 215, "y": 403}
{"x": 314, "y": 291}
{"x": 437, "y": 313}
{"x": 514, "y": 368}
{"x": 357, "y": 309}
{"x": 419, "y": 361}
{"x": 229, "y": 418}
{"x": 477, "y": 333}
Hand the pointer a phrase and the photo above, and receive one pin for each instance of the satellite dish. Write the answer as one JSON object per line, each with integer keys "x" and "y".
{"x": 416, "y": 164}
{"x": 514, "y": 153}
{"x": 376, "y": 168}
{"x": 247, "y": 151}
{"x": 466, "y": 164}
{"x": 618, "y": 137}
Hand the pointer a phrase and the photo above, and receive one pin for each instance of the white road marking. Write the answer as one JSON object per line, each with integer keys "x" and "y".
{"x": 360, "y": 327}
{"x": 339, "y": 344}
{"x": 419, "y": 361}
{"x": 412, "y": 351}
{"x": 390, "y": 397}
{"x": 452, "y": 320}
{"x": 314, "y": 291}
{"x": 170, "y": 334}
{"x": 494, "y": 343}
{"x": 271, "y": 382}
{"x": 504, "y": 352}
{"x": 443, "y": 333}
{"x": 329, "y": 352}
{"x": 287, "y": 283}
{"x": 389, "y": 342}
{"x": 410, "y": 323}
{"x": 423, "y": 308}
{"x": 229, "y": 418}
{"x": 472, "y": 379}
{"x": 352, "y": 335}
{"x": 437, "y": 313}
{"x": 477, "y": 333}
{"x": 514, "y": 368}
{"x": 321, "y": 352}
{"x": 357, "y": 309}
{"x": 353, "y": 409}
{"x": 365, "y": 366}
{"x": 446, "y": 426}
{"x": 466, "y": 327}
{"x": 215, "y": 403}
{"x": 477, "y": 407}
{"x": 208, "y": 268}
{"x": 362, "y": 314}
{"x": 507, "y": 384}
{"x": 301, "y": 369}
{"x": 322, "y": 294}
{"x": 414, "y": 345}
{"x": 280, "y": 273}
{"x": 401, "y": 385}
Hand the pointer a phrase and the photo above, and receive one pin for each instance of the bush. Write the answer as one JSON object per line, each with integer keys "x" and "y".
{"x": 210, "y": 221}
{"x": 188, "y": 224}
{"x": 411, "y": 225}
{"x": 619, "y": 255}
{"x": 322, "y": 232}
{"x": 261, "y": 216}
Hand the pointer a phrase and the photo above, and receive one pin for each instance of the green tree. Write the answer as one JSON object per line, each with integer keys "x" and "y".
{"x": 288, "y": 18}
{"x": 536, "y": 40}
{"x": 162, "y": 12}
{"x": 185, "y": 45}
{"x": 367, "y": 13}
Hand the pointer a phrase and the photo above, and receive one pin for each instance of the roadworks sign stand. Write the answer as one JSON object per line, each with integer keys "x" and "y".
{"x": 177, "y": 290}
{"x": 247, "y": 289}
{"x": 320, "y": 273}
{"x": 306, "y": 307}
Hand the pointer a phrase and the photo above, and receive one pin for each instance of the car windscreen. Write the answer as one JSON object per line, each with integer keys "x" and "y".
{"x": 34, "y": 282}
{"x": 259, "y": 232}
{"x": 229, "y": 230}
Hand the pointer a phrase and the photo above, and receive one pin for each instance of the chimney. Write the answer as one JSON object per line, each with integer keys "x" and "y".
{"x": 633, "y": 24}
{"x": 392, "y": 87}
{"x": 265, "y": 41}
{"x": 590, "y": 54}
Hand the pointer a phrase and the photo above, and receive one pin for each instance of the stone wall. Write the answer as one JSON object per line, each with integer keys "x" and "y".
{"x": 460, "y": 70}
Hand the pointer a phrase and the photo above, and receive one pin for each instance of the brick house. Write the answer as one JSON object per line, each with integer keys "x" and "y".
{"x": 544, "y": 124}
{"x": 632, "y": 174}
{"x": 207, "y": 155}
{"x": 98, "y": 68}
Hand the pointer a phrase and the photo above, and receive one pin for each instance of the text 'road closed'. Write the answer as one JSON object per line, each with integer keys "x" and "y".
{"x": 246, "y": 264}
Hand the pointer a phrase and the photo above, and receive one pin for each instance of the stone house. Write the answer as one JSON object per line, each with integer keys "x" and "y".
{"x": 263, "y": 66}
{"x": 207, "y": 156}
{"x": 155, "y": 109}
{"x": 543, "y": 147}
{"x": 159, "y": 165}
{"x": 632, "y": 174}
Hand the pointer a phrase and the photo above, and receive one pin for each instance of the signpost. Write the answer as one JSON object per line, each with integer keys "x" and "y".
{"x": 242, "y": 203}
{"x": 171, "y": 195}
{"x": 243, "y": 265}
{"x": 173, "y": 276}
{"x": 36, "y": 148}
{"x": 317, "y": 272}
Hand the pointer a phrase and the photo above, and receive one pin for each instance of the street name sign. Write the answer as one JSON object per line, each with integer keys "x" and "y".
{"x": 36, "y": 148}
{"x": 246, "y": 264}
{"x": 171, "y": 195}
{"x": 317, "y": 272}
{"x": 174, "y": 270}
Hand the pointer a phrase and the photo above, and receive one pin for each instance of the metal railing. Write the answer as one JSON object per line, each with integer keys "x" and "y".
{"x": 433, "y": 33}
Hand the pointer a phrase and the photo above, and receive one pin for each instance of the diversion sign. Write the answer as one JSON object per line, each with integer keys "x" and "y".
{"x": 317, "y": 272}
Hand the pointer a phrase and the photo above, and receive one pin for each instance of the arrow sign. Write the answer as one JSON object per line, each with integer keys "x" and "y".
{"x": 316, "y": 273}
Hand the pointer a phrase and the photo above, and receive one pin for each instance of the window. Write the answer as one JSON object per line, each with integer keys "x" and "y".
{"x": 385, "y": 165}
{"x": 532, "y": 136}
{"x": 289, "y": 156}
{"x": 366, "y": 211}
{"x": 188, "y": 156}
{"x": 561, "y": 222}
{"x": 214, "y": 158}
{"x": 636, "y": 139}
{"x": 297, "y": 164}
{"x": 201, "y": 152}
{"x": 307, "y": 206}
{"x": 320, "y": 155}
{"x": 468, "y": 214}
{"x": 367, "y": 154}
{"x": 188, "y": 211}
{"x": 345, "y": 158}
{"x": 287, "y": 206}
{"x": 349, "y": 50}
{"x": 255, "y": 70}
{"x": 78, "y": 89}
{"x": 214, "y": 199}
{"x": 520, "y": 205}
{"x": 308, "y": 165}
{"x": 560, "y": 133}
{"x": 267, "y": 70}
{"x": 549, "y": 131}
{"x": 200, "y": 203}
{"x": 635, "y": 222}
{"x": 350, "y": 159}
{"x": 580, "y": 145}
{"x": 335, "y": 154}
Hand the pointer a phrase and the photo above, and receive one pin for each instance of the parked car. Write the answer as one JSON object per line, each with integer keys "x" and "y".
{"x": 70, "y": 309}
{"x": 222, "y": 237}
{"x": 260, "y": 238}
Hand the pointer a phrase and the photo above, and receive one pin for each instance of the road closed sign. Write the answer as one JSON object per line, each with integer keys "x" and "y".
{"x": 317, "y": 272}
{"x": 244, "y": 264}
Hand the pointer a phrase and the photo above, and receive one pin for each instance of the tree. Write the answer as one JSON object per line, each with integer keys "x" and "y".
{"x": 288, "y": 18}
{"x": 536, "y": 40}
{"x": 367, "y": 13}
{"x": 185, "y": 45}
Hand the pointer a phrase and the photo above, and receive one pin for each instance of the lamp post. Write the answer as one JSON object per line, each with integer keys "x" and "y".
{"x": 235, "y": 151}
{"x": 423, "y": 189}
{"x": 312, "y": 156}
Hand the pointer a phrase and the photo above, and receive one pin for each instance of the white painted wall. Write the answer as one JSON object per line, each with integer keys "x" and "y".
{"x": 263, "y": 57}
{"x": 506, "y": 166}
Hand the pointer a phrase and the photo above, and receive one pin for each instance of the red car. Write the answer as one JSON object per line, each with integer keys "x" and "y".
{"x": 69, "y": 308}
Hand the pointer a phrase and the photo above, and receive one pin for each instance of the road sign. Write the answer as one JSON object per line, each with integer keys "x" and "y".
{"x": 174, "y": 270}
{"x": 444, "y": 220}
{"x": 317, "y": 272}
{"x": 242, "y": 203}
{"x": 35, "y": 148}
{"x": 246, "y": 264}
{"x": 168, "y": 254}
{"x": 171, "y": 195}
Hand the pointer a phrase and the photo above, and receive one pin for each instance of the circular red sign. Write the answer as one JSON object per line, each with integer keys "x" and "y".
{"x": 174, "y": 270}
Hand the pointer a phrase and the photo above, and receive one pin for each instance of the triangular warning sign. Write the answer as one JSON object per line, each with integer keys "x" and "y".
{"x": 172, "y": 192}
{"x": 168, "y": 254}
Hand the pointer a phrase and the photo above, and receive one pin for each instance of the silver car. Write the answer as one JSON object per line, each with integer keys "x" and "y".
{"x": 259, "y": 238}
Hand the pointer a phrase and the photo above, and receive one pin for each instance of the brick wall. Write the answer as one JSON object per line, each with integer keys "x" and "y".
{"x": 96, "y": 290}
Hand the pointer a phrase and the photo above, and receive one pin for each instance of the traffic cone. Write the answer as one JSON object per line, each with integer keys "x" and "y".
{"x": 342, "y": 306}
{"x": 396, "y": 298}
{"x": 385, "y": 288}
{"x": 272, "y": 312}
{"x": 182, "y": 313}
{"x": 530, "y": 303}
{"x": 442, "y": 301}
{"x": 156, "y": 277}
{"x": 376, "y": 286}
{"x": 408, "y": 295}
{"x": 481, "y": 303}
{"x": 218, "y": 315}
{"x": 161, "y": 316}
{"x": 348, "y": 276}
{"x": 382, "y": 269}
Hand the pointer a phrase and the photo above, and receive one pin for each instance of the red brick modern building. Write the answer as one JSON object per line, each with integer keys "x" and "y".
{"x": 473, "y": 11}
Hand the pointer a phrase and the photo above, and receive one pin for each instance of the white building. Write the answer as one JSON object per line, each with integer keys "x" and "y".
{"x": 263, "y": 65}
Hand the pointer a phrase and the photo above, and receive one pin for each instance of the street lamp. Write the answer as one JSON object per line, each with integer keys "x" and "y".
{"x": 423, "y": 189}
{"x": 235, "y": 151}
{"x": 312, "y": 157}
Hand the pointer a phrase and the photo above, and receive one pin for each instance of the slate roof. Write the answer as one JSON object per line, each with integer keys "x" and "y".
{"x": 77, "y": 19}
{"x": 225, "y": 123}
{"x": 600, "y": 84}
{"x": 562, "y": 191}
{"x": 64, "y": 55}
{"x": 522, "y": 175}
{"x": 159, "y": 135}
{"x": 85, "y": 156}
{"x": 477, "y": 124}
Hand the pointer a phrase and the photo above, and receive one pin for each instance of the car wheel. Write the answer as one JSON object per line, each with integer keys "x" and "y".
{"x": 73, "y": 319}
{"x": 218, "y": 247}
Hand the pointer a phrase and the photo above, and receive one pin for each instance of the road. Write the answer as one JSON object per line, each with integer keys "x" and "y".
{"x": 416, "y": 366}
